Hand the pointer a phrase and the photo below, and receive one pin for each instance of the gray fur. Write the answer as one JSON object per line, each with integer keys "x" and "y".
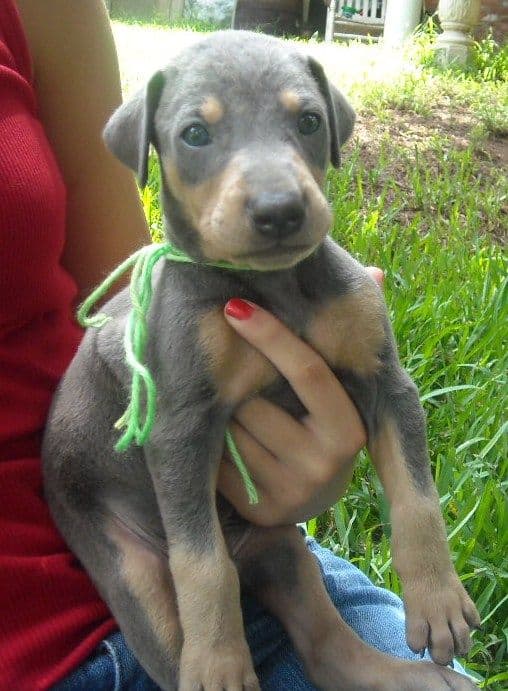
{"x": 130, "y": 130}
{"x": 161, "y": 493}
{"x": 341, "y": 116}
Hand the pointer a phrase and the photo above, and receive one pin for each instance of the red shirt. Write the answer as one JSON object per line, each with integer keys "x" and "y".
{"x": 51, "y": 617}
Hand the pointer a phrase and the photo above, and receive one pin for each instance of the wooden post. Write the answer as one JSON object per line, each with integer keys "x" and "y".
{"x": 305, "y": 11}
{"x": 172, "y": 9}
{"x": 401, "y": 19}
{"x": 458, "y": 18}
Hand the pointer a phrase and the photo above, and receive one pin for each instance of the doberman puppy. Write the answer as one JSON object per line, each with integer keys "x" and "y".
{"x": 244, "y": 127}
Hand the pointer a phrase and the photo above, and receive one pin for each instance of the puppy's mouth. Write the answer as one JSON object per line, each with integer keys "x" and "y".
{"x": 275, "y": 256}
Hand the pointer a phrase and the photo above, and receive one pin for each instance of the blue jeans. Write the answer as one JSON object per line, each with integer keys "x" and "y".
{"x": 374, "y": 613}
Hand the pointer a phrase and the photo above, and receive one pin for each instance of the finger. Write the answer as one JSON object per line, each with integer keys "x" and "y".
{"x": 261, "y": 463}
{"x": 265, "y": 471}
{"x": 231, "y": 486}
{"x": 308, "y": 374}
{"x": 277, "y": 431}
{"x": 377, "y": 274}
{"x": 270, "y": 475}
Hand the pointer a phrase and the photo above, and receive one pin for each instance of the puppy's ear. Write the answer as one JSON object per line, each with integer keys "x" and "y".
{"x": 130, "y": 130}
{"x": 341, "y": 116}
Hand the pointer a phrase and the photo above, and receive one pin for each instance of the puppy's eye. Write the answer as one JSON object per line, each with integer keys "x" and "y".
{"x": 308, "y": 123}
{"x": 196, "y": 135}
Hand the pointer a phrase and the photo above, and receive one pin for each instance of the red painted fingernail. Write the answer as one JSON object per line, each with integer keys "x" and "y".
{"x": 239, "y": 309}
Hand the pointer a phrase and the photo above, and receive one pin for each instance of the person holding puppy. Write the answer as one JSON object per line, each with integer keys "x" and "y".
{"x": 69, "y": 213}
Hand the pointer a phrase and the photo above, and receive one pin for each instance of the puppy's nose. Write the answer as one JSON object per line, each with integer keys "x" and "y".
{"x": 277, "y": 214}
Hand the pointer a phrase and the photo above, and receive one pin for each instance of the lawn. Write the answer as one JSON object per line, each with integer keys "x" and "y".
{"x": 422, "y": 193}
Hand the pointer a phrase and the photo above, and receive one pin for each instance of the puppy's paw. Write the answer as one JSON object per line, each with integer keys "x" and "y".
{"x": 221, "y": 668}
{"x": 440, "y": 617}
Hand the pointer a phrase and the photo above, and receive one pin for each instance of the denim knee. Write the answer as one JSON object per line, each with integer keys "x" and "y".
{"x": 112, "y": 667}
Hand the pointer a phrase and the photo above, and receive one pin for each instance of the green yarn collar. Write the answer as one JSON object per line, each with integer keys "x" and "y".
{"x": 139, "y": 416}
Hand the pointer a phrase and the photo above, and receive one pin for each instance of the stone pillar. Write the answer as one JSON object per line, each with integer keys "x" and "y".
{"x": 458, "y": 18}
{"x": 401, "y": 19}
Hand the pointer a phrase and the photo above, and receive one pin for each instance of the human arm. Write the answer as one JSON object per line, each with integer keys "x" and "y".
{"x": 78, "y": 87}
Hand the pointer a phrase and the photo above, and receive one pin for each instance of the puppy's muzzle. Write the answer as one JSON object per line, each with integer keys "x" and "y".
{"x": 277, "y": 215}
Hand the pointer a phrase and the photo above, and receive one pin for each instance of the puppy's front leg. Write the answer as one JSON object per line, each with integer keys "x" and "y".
{"x": 439, "y": 611}
{"x": 183, "y": 460}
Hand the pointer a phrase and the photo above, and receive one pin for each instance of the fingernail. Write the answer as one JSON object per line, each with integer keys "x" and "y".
{"x": 239, "y": 309}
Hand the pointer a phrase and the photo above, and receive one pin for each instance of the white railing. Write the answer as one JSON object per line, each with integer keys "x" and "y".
{"x": 346, "y": 13}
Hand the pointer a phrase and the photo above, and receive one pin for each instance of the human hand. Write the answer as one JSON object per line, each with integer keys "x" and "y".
{"x": 300, "y": 467}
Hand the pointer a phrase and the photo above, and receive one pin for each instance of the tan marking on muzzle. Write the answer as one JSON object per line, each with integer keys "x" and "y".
{"x": 148, "y": 579}
{"x": 311, "y": 179}
{"x": 348, "y": 331}
{"x": 216, "y": 208}
{"x": 212, "y": 110}
{"x": 237, "y": 368}
{"x": 192, "y": 197}
{"x": 319, "y": 175}
{"x": 290, "y": 100}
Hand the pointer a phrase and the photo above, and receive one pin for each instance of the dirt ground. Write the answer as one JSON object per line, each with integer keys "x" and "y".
{"x": 410, "y": 129}
{"x": 454, "y": 127}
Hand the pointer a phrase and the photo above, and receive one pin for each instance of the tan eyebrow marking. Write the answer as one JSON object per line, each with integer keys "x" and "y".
{"x": 212, "y": 110}
{"x": 290, "y": 100}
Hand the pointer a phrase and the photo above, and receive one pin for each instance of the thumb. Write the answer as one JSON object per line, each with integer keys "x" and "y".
{"x": 377, "y": 274}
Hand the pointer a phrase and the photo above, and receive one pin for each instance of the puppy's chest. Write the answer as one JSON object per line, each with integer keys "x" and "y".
{"x": 348, "y": 331}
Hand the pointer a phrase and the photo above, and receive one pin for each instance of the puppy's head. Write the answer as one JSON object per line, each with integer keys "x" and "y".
{"x": 244, "y": 128}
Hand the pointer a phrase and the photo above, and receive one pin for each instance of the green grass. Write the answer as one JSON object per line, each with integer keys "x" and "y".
{"x": 419, "y": 93}
{"x": 431, "y": 212}
{"x": 446, "y": 287}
